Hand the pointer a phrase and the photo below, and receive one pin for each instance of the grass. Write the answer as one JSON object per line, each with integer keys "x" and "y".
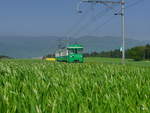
{"x": 43, "y": 87}
{"x": 116, "y": 61}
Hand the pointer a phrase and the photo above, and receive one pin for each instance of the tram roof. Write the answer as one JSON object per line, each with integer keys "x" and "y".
{"x": 74, "y": 46}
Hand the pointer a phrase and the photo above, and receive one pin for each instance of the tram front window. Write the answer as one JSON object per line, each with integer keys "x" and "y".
{"x": 79, "y": 51}
{"x": 75, "y": 51}
{"x": 71, "y": 51}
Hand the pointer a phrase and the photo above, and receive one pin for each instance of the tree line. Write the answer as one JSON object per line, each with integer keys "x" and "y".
{"x": 4, "y": 57}
{"x": 136, "y": 53}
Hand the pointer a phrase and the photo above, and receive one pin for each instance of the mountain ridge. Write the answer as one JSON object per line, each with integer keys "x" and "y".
{"x": 31, "y": 46}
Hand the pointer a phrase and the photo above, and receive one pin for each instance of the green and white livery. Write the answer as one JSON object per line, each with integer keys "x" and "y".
{"x": 72, "y": 53}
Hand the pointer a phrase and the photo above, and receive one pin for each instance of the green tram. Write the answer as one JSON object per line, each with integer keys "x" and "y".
{"x": 70, "y": 54}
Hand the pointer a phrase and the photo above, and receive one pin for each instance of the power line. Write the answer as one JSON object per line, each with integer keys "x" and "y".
{"x": 80, "y": 20}
{"x": 68, "y": 33}
{"x": 131, "y": 4}
{"x": 134, "y": 3}
{"x": 84, "y": 27}
{"x": 103, "y": 24}
{"x": 92, "y": 20}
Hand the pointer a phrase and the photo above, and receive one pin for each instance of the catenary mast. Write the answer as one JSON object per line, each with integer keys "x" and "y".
{"x": 122, "y": 14}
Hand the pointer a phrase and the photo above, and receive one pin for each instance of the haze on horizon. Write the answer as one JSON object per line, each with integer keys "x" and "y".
{"x": 56, "y": 18}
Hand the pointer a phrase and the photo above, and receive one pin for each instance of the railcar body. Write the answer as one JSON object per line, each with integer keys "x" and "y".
{"x": 72, "y": 53}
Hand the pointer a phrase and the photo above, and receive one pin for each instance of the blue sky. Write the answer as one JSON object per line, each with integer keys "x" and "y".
{"x": 56, "y": 17}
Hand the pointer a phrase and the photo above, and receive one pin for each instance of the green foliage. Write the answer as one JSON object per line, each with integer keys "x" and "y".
{"x": 44, "y": 87}
{"x": 4, "y": 57}
{"x": 139, "y": 53}
{"x": 136, "y": 53}
{"x": 112, "y": 54}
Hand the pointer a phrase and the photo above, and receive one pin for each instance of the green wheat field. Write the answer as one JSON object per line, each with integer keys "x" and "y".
{"x": 96, "y": 86}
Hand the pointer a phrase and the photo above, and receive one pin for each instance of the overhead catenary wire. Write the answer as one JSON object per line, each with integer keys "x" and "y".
{"x": 75, "y": 25}
{"x": 134, "y": 3}
{"x": 84, "y": 27}
{"x": 99, "y": 27}
{"x": 91, "y": 21}
{"x": 73, "y": 32}
{"x": 78, "y": 22}
{"x": 130, "y": 4}
{"x": 105, "y": 22}
{"x": 81, "y": 19}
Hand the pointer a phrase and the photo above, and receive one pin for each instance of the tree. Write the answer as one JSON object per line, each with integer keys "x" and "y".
{"x": 137, "y": 53}
{"x": 147, "y": 51}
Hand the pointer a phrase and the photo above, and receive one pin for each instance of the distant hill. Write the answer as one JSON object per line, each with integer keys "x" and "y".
{"x": 29, "y": 47}
{"x": 107, "y": 43}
